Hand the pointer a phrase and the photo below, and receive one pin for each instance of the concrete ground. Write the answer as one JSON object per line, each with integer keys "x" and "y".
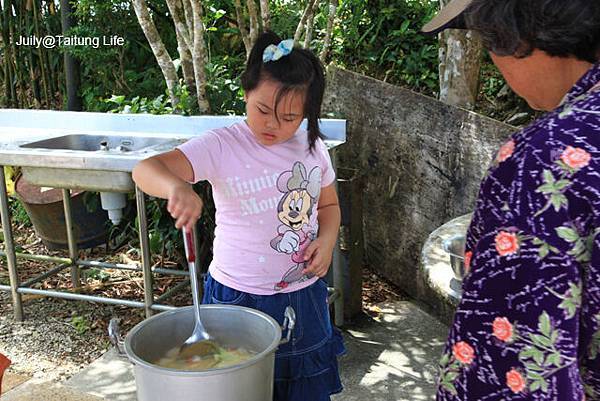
{"x": 390, "y": 358}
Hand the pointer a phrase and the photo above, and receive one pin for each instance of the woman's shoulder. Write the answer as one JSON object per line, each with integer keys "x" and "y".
{"x": 562, "y": 155}
{"x": 569, "y": 126}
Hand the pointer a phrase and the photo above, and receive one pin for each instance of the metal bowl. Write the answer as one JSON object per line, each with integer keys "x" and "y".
{"x": 455, "y": 247}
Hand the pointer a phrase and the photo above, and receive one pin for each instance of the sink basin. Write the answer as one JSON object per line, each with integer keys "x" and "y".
{"x": 92, "y": 143}
{"x": 97, "y": 179}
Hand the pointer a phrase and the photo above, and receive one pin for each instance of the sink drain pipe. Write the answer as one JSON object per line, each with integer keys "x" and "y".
{"x": 113, "y": 203}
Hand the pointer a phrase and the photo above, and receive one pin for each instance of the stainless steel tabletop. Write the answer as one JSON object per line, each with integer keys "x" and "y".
{"x": 19, "y": 127}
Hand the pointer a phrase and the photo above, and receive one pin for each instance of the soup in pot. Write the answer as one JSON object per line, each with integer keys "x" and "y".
{"x": 224, "y": 358}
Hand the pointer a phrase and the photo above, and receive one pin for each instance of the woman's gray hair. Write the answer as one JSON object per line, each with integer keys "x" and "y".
{"x": 561, "y": 28}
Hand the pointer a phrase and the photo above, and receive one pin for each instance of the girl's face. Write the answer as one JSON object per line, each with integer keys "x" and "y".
{"x": 268, "y": 127}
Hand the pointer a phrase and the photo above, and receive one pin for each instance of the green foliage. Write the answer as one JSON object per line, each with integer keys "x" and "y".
{"x": 80, "y": 324}
{"x": 159, "y": 105}
{"x": 383, "y": 39}
{"x": 223, "y": 89}
{"x": 91, "y": 201}
{"x": 379, "y": 38}
{"x": 129, "y": 69}
{"x": 96, "y": 274}
{"x": 18, "y": 213}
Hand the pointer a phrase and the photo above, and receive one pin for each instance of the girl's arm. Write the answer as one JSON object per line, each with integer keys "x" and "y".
{"x": 158, "y": 174}
{"x": 320, "y": 251}
{"x": 167, "y": 176}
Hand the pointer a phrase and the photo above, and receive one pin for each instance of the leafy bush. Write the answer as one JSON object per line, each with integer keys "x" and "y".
{"x": 128, "y": 69}
{"x": 159, "y": 105}
{"x": 18, "y": 213}
{"x": 223, "y": 89}
{"x": 382, "y": 39}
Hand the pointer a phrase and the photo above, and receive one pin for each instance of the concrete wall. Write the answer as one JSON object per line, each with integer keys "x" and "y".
{"x": 419, "y": 161}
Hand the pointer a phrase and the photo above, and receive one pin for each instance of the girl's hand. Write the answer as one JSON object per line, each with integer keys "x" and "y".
{"x": 184, "y": 205}
{"x": 319, "y": 253}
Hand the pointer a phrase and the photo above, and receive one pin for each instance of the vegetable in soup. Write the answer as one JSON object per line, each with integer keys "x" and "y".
{"x": 224, "y": 358}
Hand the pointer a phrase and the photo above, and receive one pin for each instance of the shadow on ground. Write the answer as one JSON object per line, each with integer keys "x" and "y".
{"x": 392, "y": 357}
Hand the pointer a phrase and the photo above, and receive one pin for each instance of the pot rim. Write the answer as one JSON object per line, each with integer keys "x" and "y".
{"x": 136, "y": 360}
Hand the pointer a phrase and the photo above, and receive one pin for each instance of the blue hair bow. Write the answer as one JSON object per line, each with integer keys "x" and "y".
{"x": 274, "y": 53}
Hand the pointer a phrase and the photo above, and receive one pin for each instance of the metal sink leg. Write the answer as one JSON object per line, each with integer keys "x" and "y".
{"x": 71, "y": 240}
{"x": 9, "y": 247}
{"x": 145, "y": 250}
{"x": 338, "y": 274}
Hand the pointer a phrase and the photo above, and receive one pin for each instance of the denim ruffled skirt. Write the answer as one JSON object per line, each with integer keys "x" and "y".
{"x": 306, "y": 368}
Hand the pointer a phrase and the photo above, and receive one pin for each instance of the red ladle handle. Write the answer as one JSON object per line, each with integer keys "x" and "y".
{"x": 190, "y": 250}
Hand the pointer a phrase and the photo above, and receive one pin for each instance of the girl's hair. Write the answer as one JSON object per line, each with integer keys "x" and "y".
{"x": 561, "y": 28}
{"x": 300, "y": 70}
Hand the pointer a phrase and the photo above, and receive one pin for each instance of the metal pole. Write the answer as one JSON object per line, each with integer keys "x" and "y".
{"x": 71, "y": 240}
{"x": 173, "y": 290}
{"x": 10, "y": 249}
{"x": 338, "y": 274}
{"x": 121, "y": 266}
{"x": 44, "y": 276}
{"x": 43, "y": 258}
{"x": 89, "y": 298}
{"x": 145, "y": 250}
{"x": 94, "y": 263}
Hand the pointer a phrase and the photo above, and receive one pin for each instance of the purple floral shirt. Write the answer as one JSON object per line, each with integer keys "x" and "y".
{"x": 528, "y": 324}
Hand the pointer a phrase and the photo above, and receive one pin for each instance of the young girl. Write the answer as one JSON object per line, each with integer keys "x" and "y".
{"x": 277, "y": 211}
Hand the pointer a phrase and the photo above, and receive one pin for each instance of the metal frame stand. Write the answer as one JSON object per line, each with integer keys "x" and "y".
{"x": 150, "y": 304}
{"x": 11, "y": 258}
{"x": 73, "y": 251}
{"x": 145, "y": 250}
{"x": 17, "y": 289}
{"x": 337, "y": 291}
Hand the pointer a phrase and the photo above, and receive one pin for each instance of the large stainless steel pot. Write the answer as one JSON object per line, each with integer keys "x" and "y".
{"x": 232, "y": 326}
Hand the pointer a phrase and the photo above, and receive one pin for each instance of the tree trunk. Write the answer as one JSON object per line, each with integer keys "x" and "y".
{"x": 241, "y": 21}
{"x": 10, "y": 54}
{"x": 265, "y": 14}
{"x": 199, "y": 57}
{"x": 7, "y": 78}
{"x": 189, "y": 18}
{"x": 184, "y": 43}
{"x": 254, "y": 27}
{"x": 71, "y": 63}
{"x": 310, "y": 22}
{"x": 158, "y": 48}
{"x": 187, "y": 67}
{"x": 327, "y": 41}
{"x": 301, "y": 25}
{"x": 460, "y": 62}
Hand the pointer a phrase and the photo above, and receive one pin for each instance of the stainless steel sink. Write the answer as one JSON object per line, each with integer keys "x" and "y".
{"x": 91, "y": 143}
{"x": 107, "y": 147}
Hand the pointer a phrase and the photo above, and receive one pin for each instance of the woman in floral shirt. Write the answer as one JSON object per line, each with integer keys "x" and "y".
{"x": 528, "y": 324}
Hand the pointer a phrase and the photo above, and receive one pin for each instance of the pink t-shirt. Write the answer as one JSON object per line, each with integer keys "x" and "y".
{"x": 266, "y": 199}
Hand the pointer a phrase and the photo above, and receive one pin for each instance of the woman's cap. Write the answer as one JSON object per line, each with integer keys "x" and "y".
{"x": 451, "y": 16}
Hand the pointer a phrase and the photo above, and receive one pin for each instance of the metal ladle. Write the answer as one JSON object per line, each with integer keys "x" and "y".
{"x": 200, "y": 342}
